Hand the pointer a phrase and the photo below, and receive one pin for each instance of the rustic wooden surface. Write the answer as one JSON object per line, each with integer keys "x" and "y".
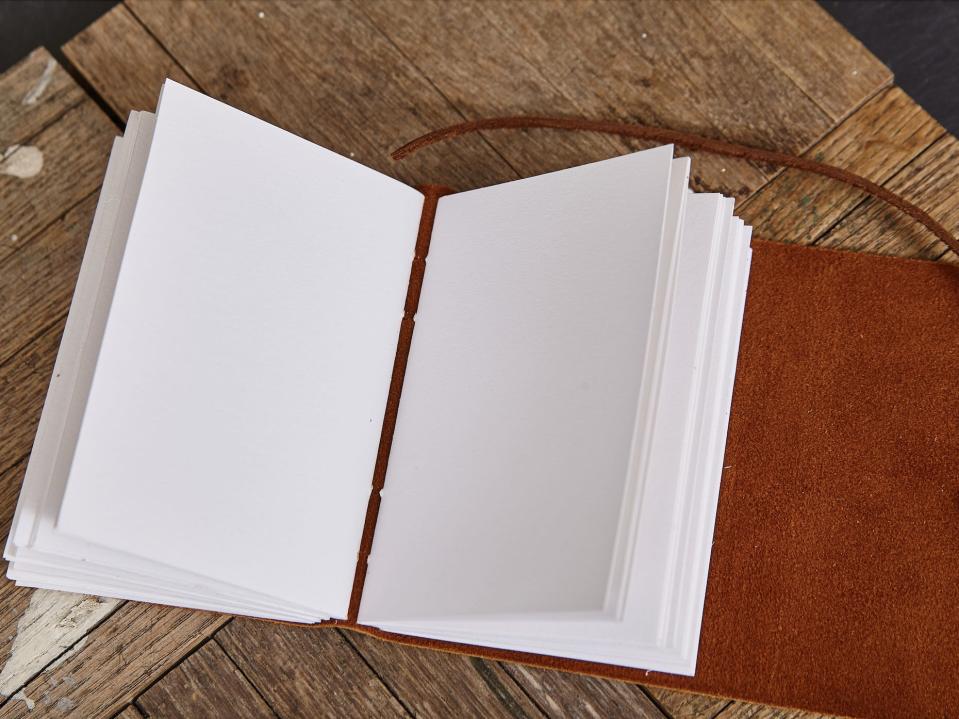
{"x": 362, "y": 77}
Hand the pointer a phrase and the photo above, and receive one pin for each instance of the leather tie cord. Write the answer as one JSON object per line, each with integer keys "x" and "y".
{"x": 690, "y": 142}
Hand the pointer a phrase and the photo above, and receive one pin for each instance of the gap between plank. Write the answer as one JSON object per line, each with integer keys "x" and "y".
{"x": 186, "y": 655}
{"x": 239, "y": 669}
{"x": 437, "y": 90}
{"x": 163, "y": 47}
{"x": 59, "y": 657}
{"x": 345, "y": 635}
{"x": 818, "y": 239}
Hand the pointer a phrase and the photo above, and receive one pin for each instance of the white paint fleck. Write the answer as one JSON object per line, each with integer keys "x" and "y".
{"x": 33, "y": 95}
{"x": 52, "y": 624}
{"x": 855, "y": 72}
{"x": 21, "y": 161}
{"x": 25, "y": 699}
{"x": 644, "y": 36}
{"x": 261, "y": 14}
{"x": 14, "y": 238}
{"x": 66, "y": 704}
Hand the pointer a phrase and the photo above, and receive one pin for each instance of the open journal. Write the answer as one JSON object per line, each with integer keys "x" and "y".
{"x": 216, "y": 408}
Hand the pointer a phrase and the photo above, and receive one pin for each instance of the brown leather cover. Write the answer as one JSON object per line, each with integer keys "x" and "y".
{"x": 834, "y": 577}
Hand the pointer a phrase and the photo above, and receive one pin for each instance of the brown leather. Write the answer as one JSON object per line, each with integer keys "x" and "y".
{"x": 689, "y": 141}
{"x": 835, "y": 565}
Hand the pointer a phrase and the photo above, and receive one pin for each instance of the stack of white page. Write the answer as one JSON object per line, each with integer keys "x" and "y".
{"x": 213, "y": 419}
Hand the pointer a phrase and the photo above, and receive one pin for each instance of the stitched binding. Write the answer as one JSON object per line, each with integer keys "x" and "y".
{"x": 431, "y": 196}
{"x": 691, "y": 142}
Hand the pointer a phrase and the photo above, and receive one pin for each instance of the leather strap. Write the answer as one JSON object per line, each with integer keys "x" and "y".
{"x": 691, "y": 142}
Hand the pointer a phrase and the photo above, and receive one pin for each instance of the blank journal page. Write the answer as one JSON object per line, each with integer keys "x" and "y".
{"x": 505, "y": 481}
{"x": 234, "y": 416}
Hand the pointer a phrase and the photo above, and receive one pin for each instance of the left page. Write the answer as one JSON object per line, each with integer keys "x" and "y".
{"x": 234, "y": 413}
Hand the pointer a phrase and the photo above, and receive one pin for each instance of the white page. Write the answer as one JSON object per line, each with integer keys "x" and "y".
{"x": 713, "y": 266}
{"x": 233, "y": 420}
{"x": 34, "y": 545}
{"x": 509, "y": 461}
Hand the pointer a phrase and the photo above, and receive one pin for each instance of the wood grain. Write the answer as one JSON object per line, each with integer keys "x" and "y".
{"x": 118, "y": 660}
{"x": 835, "y": 71}
{"x": 33, "y": 94}
{"x": 205, "y": 684}
{"x": 929, "y": 181}
{"x": 14, "y": 600}
{"x": 127, "y": 66}
{"x": 37, "y": 627}
{"x": 307, "y": 672}
{"x": 441, "y": 685}
{"x": 609, "y": 60}
{"x": 9, "y": 492}
{"x": 74, "y": 152}
{"x": 322, "y": 71}
{"x": 37, "y": 281}
{"x": 686, "y": 705}
{"x": 887, "y": 133}
{"x": 63, "y": 135}
{"x": 129, "y": 712}
{"x": 564, "y": 695}
{"x": 744, "y": 710}
{"x": 52, "y": 626}
{"x": 23, "y": 385}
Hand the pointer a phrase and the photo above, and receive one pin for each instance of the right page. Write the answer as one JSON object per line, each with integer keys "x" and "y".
{"x": 553, "y": 474}
{"x": 521, "y": 396}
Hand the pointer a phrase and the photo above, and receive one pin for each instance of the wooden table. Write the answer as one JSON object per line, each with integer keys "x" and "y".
{"x": 360, "y": 78}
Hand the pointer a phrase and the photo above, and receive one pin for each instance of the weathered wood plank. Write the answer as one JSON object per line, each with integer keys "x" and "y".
{"x": 126, "y": 65}
{"x": 564, "y": 695}
{"x": 119, "y": 658}
{"x": 205, "y": 684}
{"x": 51, "y": 627}
{"x": 23, "y": 385}
{"x": 497, "y": 79}
{"x": 9, "y": 492}
{"x": 37, "y": 627}
{"x": 929, "y": 181}
{"x": 743, "y": 710}
{"x": 129, "y": 712}
{"x": 835, "y": 71}
{"x": 37, "y": 282}
{"x": 612, "y": 60}
{"x": 51, "y": 172}
{"x": 306, "y": 672}
{"x": 876, "y": 141}
{"x": 438, "y": 684}
{"x": 52, "y": 147}
{"x": 33, "y": 94}
{"x": 323, "y": 71}
{"x": 686, "y": 705}
{"x": 44, "y": 629}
